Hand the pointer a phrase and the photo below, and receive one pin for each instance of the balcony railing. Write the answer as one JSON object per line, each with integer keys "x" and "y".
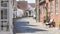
{"x": 50, "y": 0}
{"x": 42, "y": 1}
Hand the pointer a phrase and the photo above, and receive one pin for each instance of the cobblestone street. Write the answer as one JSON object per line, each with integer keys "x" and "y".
{"x": 30, "y": 26}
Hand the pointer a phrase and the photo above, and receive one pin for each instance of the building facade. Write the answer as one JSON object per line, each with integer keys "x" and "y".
{"x": 15, "y": 8}
{"x": 22, "y": 5}
{"x": 54, "y": 10}
{"x": 6, "y": 16}
{"x": 31, "y": 8}
{"x": 48, "y": 9}
{"x": 37, "y": 10}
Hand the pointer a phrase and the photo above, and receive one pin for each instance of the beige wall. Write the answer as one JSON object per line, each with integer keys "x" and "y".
{"x": 37, "y": 9}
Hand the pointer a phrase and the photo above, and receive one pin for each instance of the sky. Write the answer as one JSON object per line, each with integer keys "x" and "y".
{"x": 30, "y": 1}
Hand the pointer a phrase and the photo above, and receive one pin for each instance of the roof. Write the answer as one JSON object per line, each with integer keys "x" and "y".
{"x": 22, "y": 5}
{"x": 32, "y": 4}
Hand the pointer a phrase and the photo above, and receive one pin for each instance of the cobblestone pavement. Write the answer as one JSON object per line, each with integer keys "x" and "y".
{"x": 30, "y": 26}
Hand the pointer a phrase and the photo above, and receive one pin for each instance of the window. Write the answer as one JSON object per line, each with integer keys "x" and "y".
{"x": 4, "y": 14}
{"x": 56, "y": 6}
{"x": 4, "y": 26}
{"x": 4, "y": 0}
{"x": 4, "y": 3}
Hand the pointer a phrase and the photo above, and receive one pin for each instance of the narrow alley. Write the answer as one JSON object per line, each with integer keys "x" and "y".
{"x": 29, "y": 25}
{"x": 29, "y": 16}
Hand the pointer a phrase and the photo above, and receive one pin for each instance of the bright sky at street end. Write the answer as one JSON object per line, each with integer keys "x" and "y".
{"x": 29, "y": 1}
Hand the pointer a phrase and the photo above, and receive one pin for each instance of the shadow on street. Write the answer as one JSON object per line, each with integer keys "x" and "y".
{"x": 23, "y": 27}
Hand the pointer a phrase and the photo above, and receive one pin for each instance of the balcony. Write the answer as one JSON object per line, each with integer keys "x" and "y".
{"x": 50, "y": 0}
{"x": 42, "y": 2}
